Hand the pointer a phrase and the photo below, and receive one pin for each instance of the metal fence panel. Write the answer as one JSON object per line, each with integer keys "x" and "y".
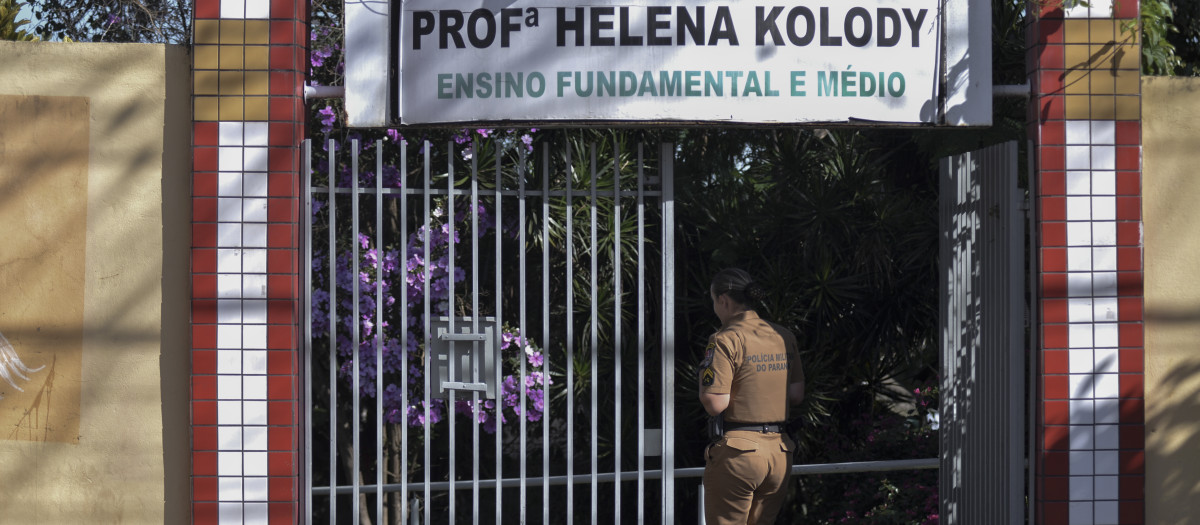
{"x": 983, "y": 343}
{"x": 553, "y": 260}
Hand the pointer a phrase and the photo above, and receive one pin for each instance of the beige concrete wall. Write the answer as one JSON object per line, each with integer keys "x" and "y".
{"x": 94, "y": 204}
{"x": 1171, "y": 216}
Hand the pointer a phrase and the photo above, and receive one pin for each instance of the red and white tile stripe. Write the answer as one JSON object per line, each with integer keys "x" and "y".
{"x": 245, "y": 289}
{"x": 1091, "y": 447}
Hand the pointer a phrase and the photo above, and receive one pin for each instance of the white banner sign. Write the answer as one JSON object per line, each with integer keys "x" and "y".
{"x": 655, "y": 61}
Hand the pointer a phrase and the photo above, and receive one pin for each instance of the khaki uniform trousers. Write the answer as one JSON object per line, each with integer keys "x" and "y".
{"x": 746, "y": 478}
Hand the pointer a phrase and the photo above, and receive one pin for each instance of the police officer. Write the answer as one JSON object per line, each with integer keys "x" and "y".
{"x": 750, "y": 372}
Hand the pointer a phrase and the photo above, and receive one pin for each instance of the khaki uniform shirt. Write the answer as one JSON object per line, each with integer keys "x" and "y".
{"x": 753, "y": 361}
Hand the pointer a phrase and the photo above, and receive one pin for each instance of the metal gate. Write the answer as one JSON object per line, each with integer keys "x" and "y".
{"x": 983, "y": 340}
{"x": 490, "y": 333}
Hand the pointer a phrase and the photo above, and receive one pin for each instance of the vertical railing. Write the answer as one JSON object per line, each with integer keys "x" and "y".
{"x": 306, "y": 346}
{"x": 405, "y": 359}
{"x": 415, "y": 495}
{"x": 666, "y": 158}
{"x": 641, "y": 338}
{"x": 453, "y": 363}
{"x": 618, "y": 386}
{"x": 545, "y": 323}
{"x": 476, "y": 373}
{"x": 593, "y": 349}
{"x": 332, "y": 334}
{"x": 499, "y": 315}
{"x": 348, "y": 484}
{"x": 380, "y": 459}
{"x": 570, "y": 283}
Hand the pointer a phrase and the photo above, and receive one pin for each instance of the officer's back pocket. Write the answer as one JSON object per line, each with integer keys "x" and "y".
{"x": 742, "y": 444}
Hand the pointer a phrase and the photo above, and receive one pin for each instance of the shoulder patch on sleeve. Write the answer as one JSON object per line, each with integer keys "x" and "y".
{"x": 708, "y": 355}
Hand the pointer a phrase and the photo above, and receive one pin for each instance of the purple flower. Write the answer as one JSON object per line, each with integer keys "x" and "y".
{"x": 535, "y": 357}
{"x": 328, "y": 118}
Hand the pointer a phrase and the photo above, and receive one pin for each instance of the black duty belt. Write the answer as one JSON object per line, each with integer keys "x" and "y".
{"x": 765, "y": 428}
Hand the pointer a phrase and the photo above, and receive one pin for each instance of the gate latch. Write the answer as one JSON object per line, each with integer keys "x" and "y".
{"x": 462, "y": 359}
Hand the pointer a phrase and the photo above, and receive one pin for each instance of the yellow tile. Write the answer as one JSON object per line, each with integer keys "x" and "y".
{"x": 1103, "y": 82}
{"x": 1076, "y": 55}
{"x": 231, "y": 108}
{"x": 1128, "y": 56}
{"x": 1103, "y": 56}
{"x": 1121, "y": 57}
{"x": 1102, "y": 30}
{"x": 1075, "y": 82}
{"x": 1076, "y": 107}
{"x": 1075, "y": 31}
{"x": 205, "y": 108}
{"x": 233, "y": 31}
{"x": 1128, "y": 108}
{"x": 206, "y": 83}
{"x": 1103, "y": 107}
{"x": 258, "y": 31}
{"x": 1128, "y": 82}
{"x": 206, "y": 57}
{"x": 258, "y": 57}
{"x": 232, "y": 82}
{"x": 258, "y": 108}
{"x": 207, "y": 31}
{"x": 231, "y": 57}
{"x": 258, "y": 83}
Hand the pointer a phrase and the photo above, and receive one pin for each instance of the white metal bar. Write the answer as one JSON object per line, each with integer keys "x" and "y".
{"x": 453, "y": 369}
{"x": 666, "y": 161}
{"x": 403, "y": 306}
{"x": 545, "y": 329}
{"x": 617, "y": 385}
{"x": 306, "y": 344}
{"x": 332, "y": 329}
{"x": 521, "y": 322}
{"x": 692, "y": 472}
{"x": 425, "y": 301}
{"x": 476, "y": 347}
{"x": 356, "y": 390}
{"x": 595, "y": 365}
{"x": 380, "y": 462}
{"x": 641, "y": 336}
{"x": 499, "y": 235}
{"x": 570, "y": 287}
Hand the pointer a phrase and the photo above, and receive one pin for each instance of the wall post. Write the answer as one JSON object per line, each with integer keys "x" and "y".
{"x": 249, "y": 60}
{"x": 1085, "y": 121}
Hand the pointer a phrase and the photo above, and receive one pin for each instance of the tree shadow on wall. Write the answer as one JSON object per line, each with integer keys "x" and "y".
{"x": 1173, "y": 440}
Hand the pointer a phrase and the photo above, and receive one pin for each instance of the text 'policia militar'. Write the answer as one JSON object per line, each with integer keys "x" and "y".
{"x": 671, "y": 26}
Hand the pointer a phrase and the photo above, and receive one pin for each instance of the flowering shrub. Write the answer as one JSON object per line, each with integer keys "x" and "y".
{"x": 387, "y": 268}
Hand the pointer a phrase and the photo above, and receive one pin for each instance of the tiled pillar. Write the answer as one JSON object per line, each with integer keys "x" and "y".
{"x": 249, "y": 59}
{"x": 1086, "y": 120}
